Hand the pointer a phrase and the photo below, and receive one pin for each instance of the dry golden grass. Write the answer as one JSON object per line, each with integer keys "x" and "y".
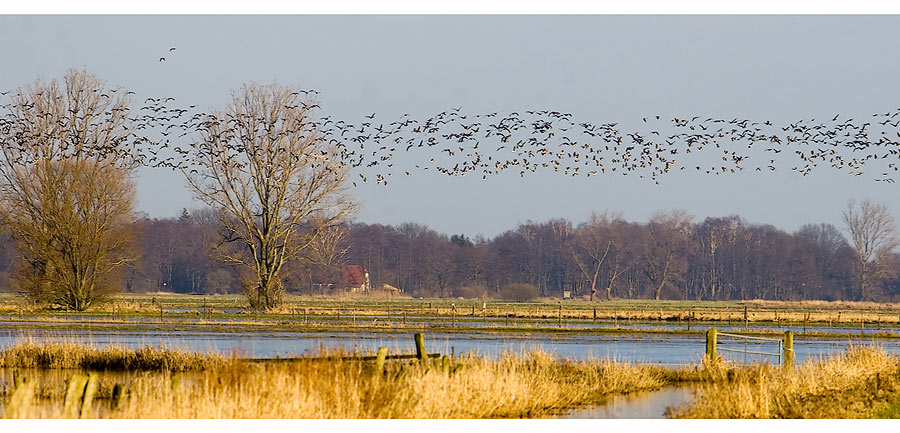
{"x": 70, "y": 355}
{"x": 517, "y": 385}
{"x": 514, "y": 386}
{"x": 823, "y": 305}
{"x": 859, "y": 383}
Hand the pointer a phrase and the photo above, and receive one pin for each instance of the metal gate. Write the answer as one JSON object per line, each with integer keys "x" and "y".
{"x": 751, "y": 345}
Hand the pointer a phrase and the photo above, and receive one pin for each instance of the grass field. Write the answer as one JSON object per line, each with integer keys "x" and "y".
{"x": 530, "y": 384}
{"x": 314, "y": 314}
{"x": 36, "y": 382}
{"x": 859, "y": 383}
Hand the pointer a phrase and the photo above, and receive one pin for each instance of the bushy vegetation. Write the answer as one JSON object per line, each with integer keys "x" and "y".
{"x": 519, "y": 292}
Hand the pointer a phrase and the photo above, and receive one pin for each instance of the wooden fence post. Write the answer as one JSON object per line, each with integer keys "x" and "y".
{"x": 20, "y": 402}
{"x": 746, "y": 319}
{"x": 711, "y": 344}
{"x": 89, "y": 390}
{"x": 559, "y": 322}
{"x": 420, "y": 347}
{"x": 379, "y": 360}
{"x": 175, "y": 382}
{"x": 789, "y": 349}
{"x": 118, "y": 393}
{"x": 75, "y": 391}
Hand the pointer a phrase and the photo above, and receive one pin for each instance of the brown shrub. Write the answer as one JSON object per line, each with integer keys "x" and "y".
{"x": 519, "y": 292}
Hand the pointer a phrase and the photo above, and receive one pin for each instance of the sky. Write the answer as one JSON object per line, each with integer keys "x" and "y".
{"x": 600, "y": 68}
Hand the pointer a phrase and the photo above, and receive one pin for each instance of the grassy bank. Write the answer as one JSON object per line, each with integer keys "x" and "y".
{"x": 155, "y": 305}
{"x": 70, "y": 355}
{"x": 516, "y": 385}
{"x": 859, "y": 383}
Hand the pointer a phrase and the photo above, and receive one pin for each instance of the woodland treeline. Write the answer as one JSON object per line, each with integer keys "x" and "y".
{"x": 669, "y": 257}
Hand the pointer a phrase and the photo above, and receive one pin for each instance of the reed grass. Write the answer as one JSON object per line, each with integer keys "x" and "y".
{"x": 759, "y": 311}
{"x": 70, "y": 355}
{"x": 524, "y": 384}
{"x": 862, "y": 382}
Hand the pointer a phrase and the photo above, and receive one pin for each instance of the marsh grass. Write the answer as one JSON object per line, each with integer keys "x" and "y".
{"x": 810, "y": 313}
{"x": 862, "y": 382}
{"x": 70, "y": 355}
{"x": 859, "y": 383}
{"x": 523, "y": 384}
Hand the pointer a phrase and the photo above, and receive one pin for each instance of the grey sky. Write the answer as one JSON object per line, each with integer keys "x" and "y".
{"x": 599, "y": 68}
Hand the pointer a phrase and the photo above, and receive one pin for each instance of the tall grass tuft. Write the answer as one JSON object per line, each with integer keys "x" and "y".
{"x": 862, "y": 382}
{"x": 527, "y": 384}
{"x": 69, "y": 355}
{"x": 524, "y": 385}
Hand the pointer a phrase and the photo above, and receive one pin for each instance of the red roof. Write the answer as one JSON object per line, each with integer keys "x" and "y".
{"x": 354, "y": 275}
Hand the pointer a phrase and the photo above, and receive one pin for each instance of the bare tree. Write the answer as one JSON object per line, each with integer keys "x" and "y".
{"x": 874, "y": 236}
{"x": 275, "y": 182}
{"x": 330, "y": 247}
{"x": 591, "y": 245}
{"x": 621, "y": 257}
{"x": 66, "y": 193}
{"x": 665, "y": 255}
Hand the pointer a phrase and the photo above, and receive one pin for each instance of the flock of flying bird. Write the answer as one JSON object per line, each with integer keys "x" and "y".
{"x": 456, "y": 143}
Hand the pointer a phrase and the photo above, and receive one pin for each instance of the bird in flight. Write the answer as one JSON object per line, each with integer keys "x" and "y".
{"x": 171, "y": 49}
{"x": 162, "y": 59}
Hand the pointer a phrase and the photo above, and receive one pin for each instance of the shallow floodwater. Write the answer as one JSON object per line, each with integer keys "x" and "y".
{"x": 492, "y": 322}
{"x": 658, "y": 349}
{"x": 638, "y": 405}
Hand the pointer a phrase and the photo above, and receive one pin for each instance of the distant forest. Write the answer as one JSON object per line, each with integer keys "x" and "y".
{"x": 669, "y": 257}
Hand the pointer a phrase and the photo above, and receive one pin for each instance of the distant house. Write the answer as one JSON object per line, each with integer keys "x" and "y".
{"x": 355, "y": 278}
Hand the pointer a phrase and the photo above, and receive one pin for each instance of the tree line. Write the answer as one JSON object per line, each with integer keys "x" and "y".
{"x": 669, "y": 257}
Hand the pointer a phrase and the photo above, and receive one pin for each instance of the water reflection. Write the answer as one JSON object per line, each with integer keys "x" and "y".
{"x": 657, "y": 348}
{"x": 638, "y": 405}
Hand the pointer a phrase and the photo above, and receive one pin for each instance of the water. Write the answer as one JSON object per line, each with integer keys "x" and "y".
{"x": 658, "y": 348}
{"x": 478, "y": 322}
{"x": 638, "y": 405}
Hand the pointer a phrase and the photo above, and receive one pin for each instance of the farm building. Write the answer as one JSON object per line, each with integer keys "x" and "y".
{"x": 355, "y": 278}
